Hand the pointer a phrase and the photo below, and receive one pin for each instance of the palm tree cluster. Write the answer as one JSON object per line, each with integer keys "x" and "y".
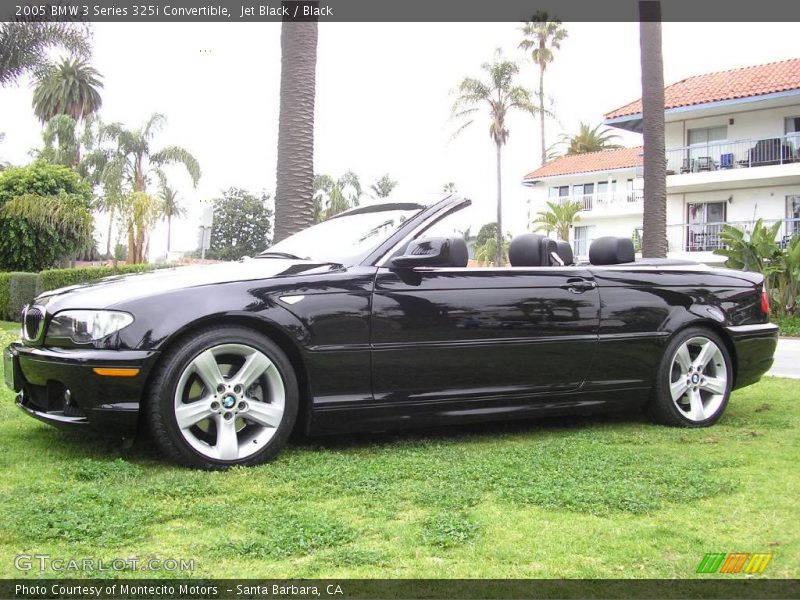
{"x": 335, "y": 195}
{"x": 558, "y": 218}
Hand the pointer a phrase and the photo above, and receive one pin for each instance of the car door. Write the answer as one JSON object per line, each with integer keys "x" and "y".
{"x": 460, "y": 333}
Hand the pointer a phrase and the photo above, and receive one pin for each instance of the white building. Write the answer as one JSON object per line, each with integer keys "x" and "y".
{"x": 733, "y": 156}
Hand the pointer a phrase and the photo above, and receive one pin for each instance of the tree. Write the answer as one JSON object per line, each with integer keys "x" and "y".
{"x": 542, "y": 37}
{"x": 588, "y": 139}
{"x": 132, "y": 168}
{"x": 295, "y": 172}
{"x": 382, "y": 188}
{"x": 500, "y": 94}
{"x": 170, "y": 208}
{"x": 486, "y": 244}
{"x": 450, "y": 188}
{"x": 654, "y": 222}
{"x": 558, "y": 218}
{"x": 63, "y": 146}
{"x": 138, "y": 214}
{"x": 24, "y": 46}
{"x": 242, "y": 224}
{"x": 45, "y": 216}
{"x": 68, "y": 88}
{"x": 332, "y": 196}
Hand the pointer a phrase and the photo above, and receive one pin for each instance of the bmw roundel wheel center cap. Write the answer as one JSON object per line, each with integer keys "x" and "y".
{"x": 229, "y": 401}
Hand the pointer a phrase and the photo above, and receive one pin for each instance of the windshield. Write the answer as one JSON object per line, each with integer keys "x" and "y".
{"x": 343, "y": 239}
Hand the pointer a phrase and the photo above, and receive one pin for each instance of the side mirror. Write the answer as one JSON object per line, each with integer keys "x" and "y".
{"x": 425, "y": 252}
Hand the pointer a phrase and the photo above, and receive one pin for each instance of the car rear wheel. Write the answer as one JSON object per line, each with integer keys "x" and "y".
{"x": 694, "y": 381}
{"x": 226, "y": 396}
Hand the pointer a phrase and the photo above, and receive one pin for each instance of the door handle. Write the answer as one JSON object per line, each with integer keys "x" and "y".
{"x": 579, "y": 285}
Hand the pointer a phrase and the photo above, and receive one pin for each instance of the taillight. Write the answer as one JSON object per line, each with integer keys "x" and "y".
{"x": 764, "y": 300}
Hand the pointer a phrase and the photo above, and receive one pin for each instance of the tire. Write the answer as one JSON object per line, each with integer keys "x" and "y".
{"x": 224, "y": 396}
{"x": 694, "y": 379}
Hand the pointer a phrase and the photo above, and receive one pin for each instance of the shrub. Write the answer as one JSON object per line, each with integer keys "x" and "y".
{"x": 54, "y": 279}
{"x": 21, "y": 291}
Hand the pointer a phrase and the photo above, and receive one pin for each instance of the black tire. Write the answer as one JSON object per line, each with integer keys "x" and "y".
{"x": 160, "y": 406}
{"x": 662, "y": 409}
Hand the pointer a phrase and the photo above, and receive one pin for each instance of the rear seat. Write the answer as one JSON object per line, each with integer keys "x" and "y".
{"x": 610, "y": 250}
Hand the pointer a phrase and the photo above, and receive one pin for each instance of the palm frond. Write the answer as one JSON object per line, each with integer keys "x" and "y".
{"x": 177, "y": 155}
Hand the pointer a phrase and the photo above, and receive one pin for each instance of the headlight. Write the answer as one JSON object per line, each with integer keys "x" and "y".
{"x": 84, "y": 326}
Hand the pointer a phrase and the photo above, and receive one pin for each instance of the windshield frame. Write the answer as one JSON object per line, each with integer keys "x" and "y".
{"x": 400, "y": 236}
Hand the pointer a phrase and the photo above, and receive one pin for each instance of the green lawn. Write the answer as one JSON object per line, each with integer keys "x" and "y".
{"x": 604, "y": 497}
{"x": 789, "y": 325}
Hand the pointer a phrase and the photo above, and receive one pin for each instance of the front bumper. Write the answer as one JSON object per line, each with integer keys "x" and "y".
{"x": 60, "y": 386}
{"x": 755, "y": 348}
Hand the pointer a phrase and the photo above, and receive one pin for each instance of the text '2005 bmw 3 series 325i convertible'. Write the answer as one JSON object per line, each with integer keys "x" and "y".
{"x": 370, "y": 321}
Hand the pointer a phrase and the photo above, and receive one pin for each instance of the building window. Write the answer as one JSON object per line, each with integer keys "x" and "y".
{"x": 704, "y": 222}
{"x": 793, "y": 215}
{"x": 559, "y": 193}
{"x": 583, "y": 193}
{"x": 705, "y": 146}
{"x": 792, "y": 130}
{"x": 583, "y": 239}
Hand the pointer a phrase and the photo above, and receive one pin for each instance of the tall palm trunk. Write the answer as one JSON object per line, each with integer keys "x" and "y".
{"x": 654, "y": 219}
{"x": 498, "y": 253}
{"x": 169, "y": 231}
{"x": 541, "y": 112}
{"x": 110, "y": 225}
{"x": 294, "y": 207}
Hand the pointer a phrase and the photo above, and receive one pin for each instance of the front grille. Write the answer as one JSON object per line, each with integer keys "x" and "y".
{"x": 32, "y": 323}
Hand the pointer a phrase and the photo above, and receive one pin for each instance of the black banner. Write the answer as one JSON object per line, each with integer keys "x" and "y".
{"x": 352, "y": 589}
{"x": 238, "y": 11}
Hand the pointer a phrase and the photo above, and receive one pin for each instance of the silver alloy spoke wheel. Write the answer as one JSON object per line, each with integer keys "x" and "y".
{"x": 698, "y": 378}
{"x": 229, "y": 402}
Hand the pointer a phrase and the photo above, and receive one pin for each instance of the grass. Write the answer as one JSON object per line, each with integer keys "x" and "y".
{"x": 789, "y": 325}
{"x": 603, "y": 497}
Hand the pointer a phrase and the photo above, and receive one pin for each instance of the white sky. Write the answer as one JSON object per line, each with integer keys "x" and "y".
{"x": 383, "y": 99}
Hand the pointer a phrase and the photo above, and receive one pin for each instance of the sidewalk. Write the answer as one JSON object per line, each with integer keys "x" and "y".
{"x": 787, "y": 358}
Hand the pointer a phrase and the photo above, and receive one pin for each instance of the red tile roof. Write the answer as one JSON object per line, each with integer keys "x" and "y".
{"x": 604, "y": 160}
{"x": 745, "y": 82}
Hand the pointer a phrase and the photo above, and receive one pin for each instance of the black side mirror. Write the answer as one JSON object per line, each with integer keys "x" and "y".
{"x": 425, "y": 252}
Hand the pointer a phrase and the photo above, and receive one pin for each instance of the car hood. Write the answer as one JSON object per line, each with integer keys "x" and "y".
{"x": 113, "y": 290}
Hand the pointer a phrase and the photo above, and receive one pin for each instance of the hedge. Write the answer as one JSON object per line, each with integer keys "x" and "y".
{"x": 18, "y": 289}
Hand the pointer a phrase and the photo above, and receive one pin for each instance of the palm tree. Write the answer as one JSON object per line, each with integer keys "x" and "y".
{"x": 588, "y": 139}
{"x": 63, "y": 146}
{"x": 69, "y": 88}
{"x": 170, "y": 207}
{"x": 382, "y": 188}
{"x": 654, "y": 237}
{"x": 295, "y": 173}
{"x": 332, "y": 196}
{"x": 500, "y": 95}
{"x": 542, "y": 37}
{"x": 129, "y": 174}
{"x": 24, "y": 46}
{"x": 559, "y": 218}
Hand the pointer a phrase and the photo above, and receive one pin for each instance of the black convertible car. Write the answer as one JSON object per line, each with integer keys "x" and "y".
{"x": 372, "y": 320}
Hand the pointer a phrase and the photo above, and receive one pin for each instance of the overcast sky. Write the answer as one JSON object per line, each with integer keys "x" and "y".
{"x": 384, "y": 93}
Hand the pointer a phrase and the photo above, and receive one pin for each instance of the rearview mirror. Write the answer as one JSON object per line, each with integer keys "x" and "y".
{"x": 426, "y": 252}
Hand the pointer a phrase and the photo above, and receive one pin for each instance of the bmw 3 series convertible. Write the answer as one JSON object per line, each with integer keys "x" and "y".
{"x": 377, "y": 319}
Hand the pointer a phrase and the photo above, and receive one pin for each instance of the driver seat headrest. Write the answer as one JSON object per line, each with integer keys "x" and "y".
{"x": 530, "y": 250}
{"x": 610, "y": 250}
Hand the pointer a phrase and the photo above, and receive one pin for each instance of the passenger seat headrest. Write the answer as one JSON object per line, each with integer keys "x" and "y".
{"x": 564, "y": 250}
{"x": 611, "y": 250}
{"x": 526, "y": 251}
{"x": 459, "y": 253}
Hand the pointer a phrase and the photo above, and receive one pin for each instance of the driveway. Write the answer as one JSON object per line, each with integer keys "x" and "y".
{"x": 787, "y": 358}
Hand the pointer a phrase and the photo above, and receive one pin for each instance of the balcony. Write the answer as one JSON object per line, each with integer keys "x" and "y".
{"x": 615, "y": 202}
{"x": 705, "y": 237}
{"x": 739, "y": 154}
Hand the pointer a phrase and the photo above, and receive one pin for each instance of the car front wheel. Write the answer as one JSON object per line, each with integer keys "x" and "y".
{"x": 694, "y": 381}
{"x": 225, "y": 396}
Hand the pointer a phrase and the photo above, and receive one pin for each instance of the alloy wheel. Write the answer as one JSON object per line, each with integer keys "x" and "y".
{"x": 698, "y": 378}
{"x": 229, "y": 401}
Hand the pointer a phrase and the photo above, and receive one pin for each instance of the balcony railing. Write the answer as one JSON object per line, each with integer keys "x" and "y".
{"x": 738, "y": 154}
{"x": 705, "y": 237}
{"x": 590, "y": 202}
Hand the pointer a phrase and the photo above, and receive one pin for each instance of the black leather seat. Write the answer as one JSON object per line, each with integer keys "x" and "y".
{"x": 564, "y": 251}
{"x": 530, "y": 250}
{"x": 611, "y": 250}
{"x": 459, "y": 252}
